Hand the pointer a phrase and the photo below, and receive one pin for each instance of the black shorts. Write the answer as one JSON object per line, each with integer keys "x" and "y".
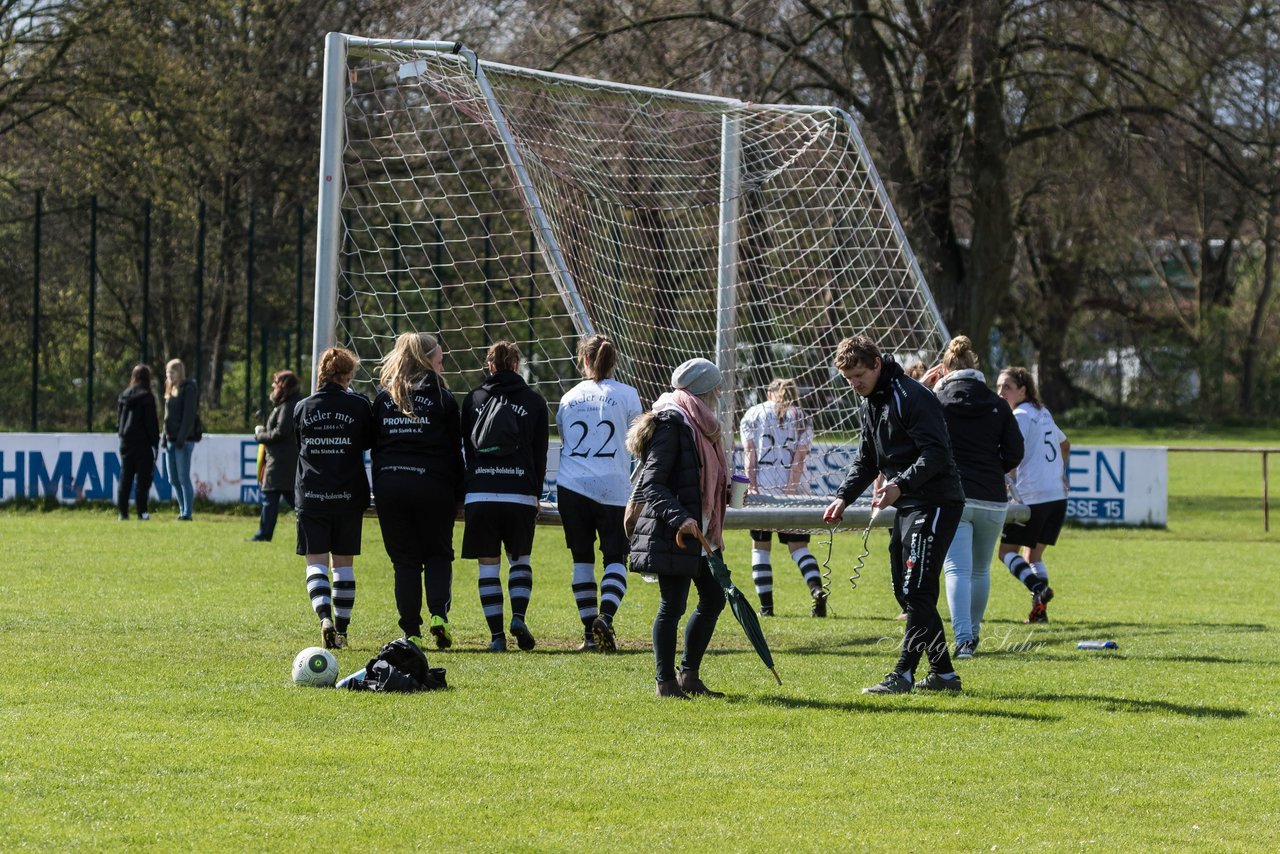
{"x": 491, "y": 525}
{"x": 1043, "y": 527}
{"x": 582, "y": 518}
{"x": 783, "y": 537}
{"x": 329, "y": 533}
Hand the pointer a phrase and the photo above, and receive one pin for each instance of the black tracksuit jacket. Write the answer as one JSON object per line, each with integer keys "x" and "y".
{"x": 334, "y": 429}
{"x": 520, "y": 473}
{"x": 904, "y": 436}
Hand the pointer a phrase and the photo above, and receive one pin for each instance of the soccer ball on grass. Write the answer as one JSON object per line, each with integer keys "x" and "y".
{"x": 315, "y": 668}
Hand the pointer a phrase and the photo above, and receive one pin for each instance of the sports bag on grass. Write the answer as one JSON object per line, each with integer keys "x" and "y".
{"x": 399, "y": 667}
{"x": 497, "y": 429}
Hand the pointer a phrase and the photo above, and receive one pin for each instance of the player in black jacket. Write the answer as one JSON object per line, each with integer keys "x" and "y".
{"x": 506, "y": 466}
{"x": 334, "y": 428}
{"x": 417, "y": 480}
{"x": 904, "y": 437}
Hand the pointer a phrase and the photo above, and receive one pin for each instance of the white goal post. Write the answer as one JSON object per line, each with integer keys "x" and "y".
{"x": 484, "y": 201}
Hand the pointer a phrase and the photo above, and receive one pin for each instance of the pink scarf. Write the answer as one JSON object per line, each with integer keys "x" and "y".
{"x": 713, "y": 475}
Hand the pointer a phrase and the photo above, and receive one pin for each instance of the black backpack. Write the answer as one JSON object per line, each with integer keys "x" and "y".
{"x": 399, "y": 667}
{"x": 497, "y": 429}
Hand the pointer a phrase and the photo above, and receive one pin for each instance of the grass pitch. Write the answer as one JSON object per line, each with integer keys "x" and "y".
{"x": 145, "y": 702}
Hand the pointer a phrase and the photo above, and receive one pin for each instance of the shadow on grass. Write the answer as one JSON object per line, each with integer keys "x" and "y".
{"x": 1129, "y": 704}
{"x": 952, "y": 706}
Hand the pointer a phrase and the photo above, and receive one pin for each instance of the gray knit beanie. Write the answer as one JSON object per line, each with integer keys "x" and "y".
{"x": 696, "y": 376}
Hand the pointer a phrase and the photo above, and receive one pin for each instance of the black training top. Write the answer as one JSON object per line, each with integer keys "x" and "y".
{"x": 522, "y": 472}
{"x": 985, "y": 437}
{"x": 335, "y": 428}
{"x": 904, "y": 437}
{"x": 428, "y": 446}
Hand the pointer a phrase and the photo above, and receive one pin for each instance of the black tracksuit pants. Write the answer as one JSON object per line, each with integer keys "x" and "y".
{"x": 917, "y": 546}
{"x": 137, "y": 468}
{"x": 416, "y": 516}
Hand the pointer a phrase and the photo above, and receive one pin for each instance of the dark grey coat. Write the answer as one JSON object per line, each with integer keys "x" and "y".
{"x": 670, "y": 488}
{"x": 281, "y": 440}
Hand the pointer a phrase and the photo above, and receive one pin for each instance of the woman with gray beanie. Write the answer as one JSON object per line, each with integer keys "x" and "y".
{"x": 683, "y": 487}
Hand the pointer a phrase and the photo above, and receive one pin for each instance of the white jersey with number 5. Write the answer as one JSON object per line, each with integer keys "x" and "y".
{"x": 1040, "y": 473}
{"x": 777, "y": 441}
{"x": 593, "y": 419}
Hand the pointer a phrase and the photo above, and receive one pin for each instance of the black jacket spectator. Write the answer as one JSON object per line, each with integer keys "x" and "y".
{"x": 279, "y": 435}
{"x": 519, "y": 473}
{"x": 671, "y": 491}
{"x": 904, "y": 436}
{"x": 428, "y": 447}
{"x": 984, "y": 434}
{"x": 334, "y": 429}
{"x": 139, "y": 423}
{"x": 180, "y": 414}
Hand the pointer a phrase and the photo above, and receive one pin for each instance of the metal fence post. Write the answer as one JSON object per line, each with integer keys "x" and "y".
{"x": 199, "y": 319}
{"x": 35, "y": 318}
{"x": 248, "y": 322}
{"x": 93, "y": 298}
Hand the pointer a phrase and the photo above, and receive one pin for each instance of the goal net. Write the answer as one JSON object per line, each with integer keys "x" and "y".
{"x": 482, "y": 201}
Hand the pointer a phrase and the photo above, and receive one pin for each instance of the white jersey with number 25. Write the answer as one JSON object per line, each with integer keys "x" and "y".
{"x": 777, "y": 441}
{"x": 593, "y": 419}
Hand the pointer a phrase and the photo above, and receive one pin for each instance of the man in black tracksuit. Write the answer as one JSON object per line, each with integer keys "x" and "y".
{"x": 904, "y": 438}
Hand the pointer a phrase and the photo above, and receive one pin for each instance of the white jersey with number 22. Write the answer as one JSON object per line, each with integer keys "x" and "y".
{"x": 592, "y": 420}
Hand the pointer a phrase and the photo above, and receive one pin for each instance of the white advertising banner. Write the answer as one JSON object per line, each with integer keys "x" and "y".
{"x": 86, "y": 467}
{"x": 1112, "y": 485}
{"x": 1108, "y": 485}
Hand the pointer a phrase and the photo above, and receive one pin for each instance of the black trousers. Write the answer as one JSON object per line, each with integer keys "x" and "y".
{"x": 673, "y": 591}
{"x": 138, "y": 464}
{"x": 416, "y": 516}
{"x": 917, "y": 547}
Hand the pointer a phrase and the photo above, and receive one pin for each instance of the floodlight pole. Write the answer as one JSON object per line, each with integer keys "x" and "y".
{"x": 727, "y": 270}
{"x": 329, "y": 216}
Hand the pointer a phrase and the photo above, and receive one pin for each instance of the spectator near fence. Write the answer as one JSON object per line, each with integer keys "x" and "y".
{"x": 279, "y": 442}
{"x": 181, "y": 416}
{"x": 139, "y": 428}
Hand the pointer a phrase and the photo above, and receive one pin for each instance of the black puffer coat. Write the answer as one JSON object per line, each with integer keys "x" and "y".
{"x": 280, "y": 437}
{"x": 984, "y": 434}
{"x": 670, "y": 488}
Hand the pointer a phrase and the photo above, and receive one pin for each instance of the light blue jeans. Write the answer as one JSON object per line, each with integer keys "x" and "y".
{"x": 967, "y": 566}
{"x": 178, "y": 466}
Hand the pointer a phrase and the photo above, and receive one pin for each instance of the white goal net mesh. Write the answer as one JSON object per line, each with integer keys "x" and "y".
{"x": 437, "y": 235}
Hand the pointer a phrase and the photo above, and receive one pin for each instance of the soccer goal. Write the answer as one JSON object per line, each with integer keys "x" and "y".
{"x": 483, "y": 201}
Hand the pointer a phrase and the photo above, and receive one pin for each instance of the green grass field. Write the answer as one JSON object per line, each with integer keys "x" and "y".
{"x": 145, "y": 702}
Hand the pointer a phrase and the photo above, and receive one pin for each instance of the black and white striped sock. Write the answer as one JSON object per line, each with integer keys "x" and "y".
{"x": 809, "y": 568}
{"x": 519, "y": 585}
{"x": 318, "y": 590}
{"x": 762, "y": 576}
{"x": 344, "y": 596}
{"x": 491, "y": 598}
{"x": 1041, "y": 571}
{"x": 1024, "y": 572}
{"x": 584, "y": 592}
{"x": 613, "y": 586}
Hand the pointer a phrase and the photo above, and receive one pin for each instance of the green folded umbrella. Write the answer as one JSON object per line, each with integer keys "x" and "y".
{"x": 742, "y": 610}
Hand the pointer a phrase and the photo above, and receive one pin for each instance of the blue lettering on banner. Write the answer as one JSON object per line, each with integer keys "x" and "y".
{"x": 249, "y": 461}
{"x": 41, "y": 482}
{"x": 15, "y": 474}
{"x": 250, "y": 493}
{"x": 1095, "y": 508}
{"x": 1103, "y": 464}
{"x": 1097, "y": 464}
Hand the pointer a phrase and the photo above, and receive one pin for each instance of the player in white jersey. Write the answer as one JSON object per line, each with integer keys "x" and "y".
{"x": 1041, "y": 483}
{"x": 776, "y": 436}
{"x": 593, "y": 485}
